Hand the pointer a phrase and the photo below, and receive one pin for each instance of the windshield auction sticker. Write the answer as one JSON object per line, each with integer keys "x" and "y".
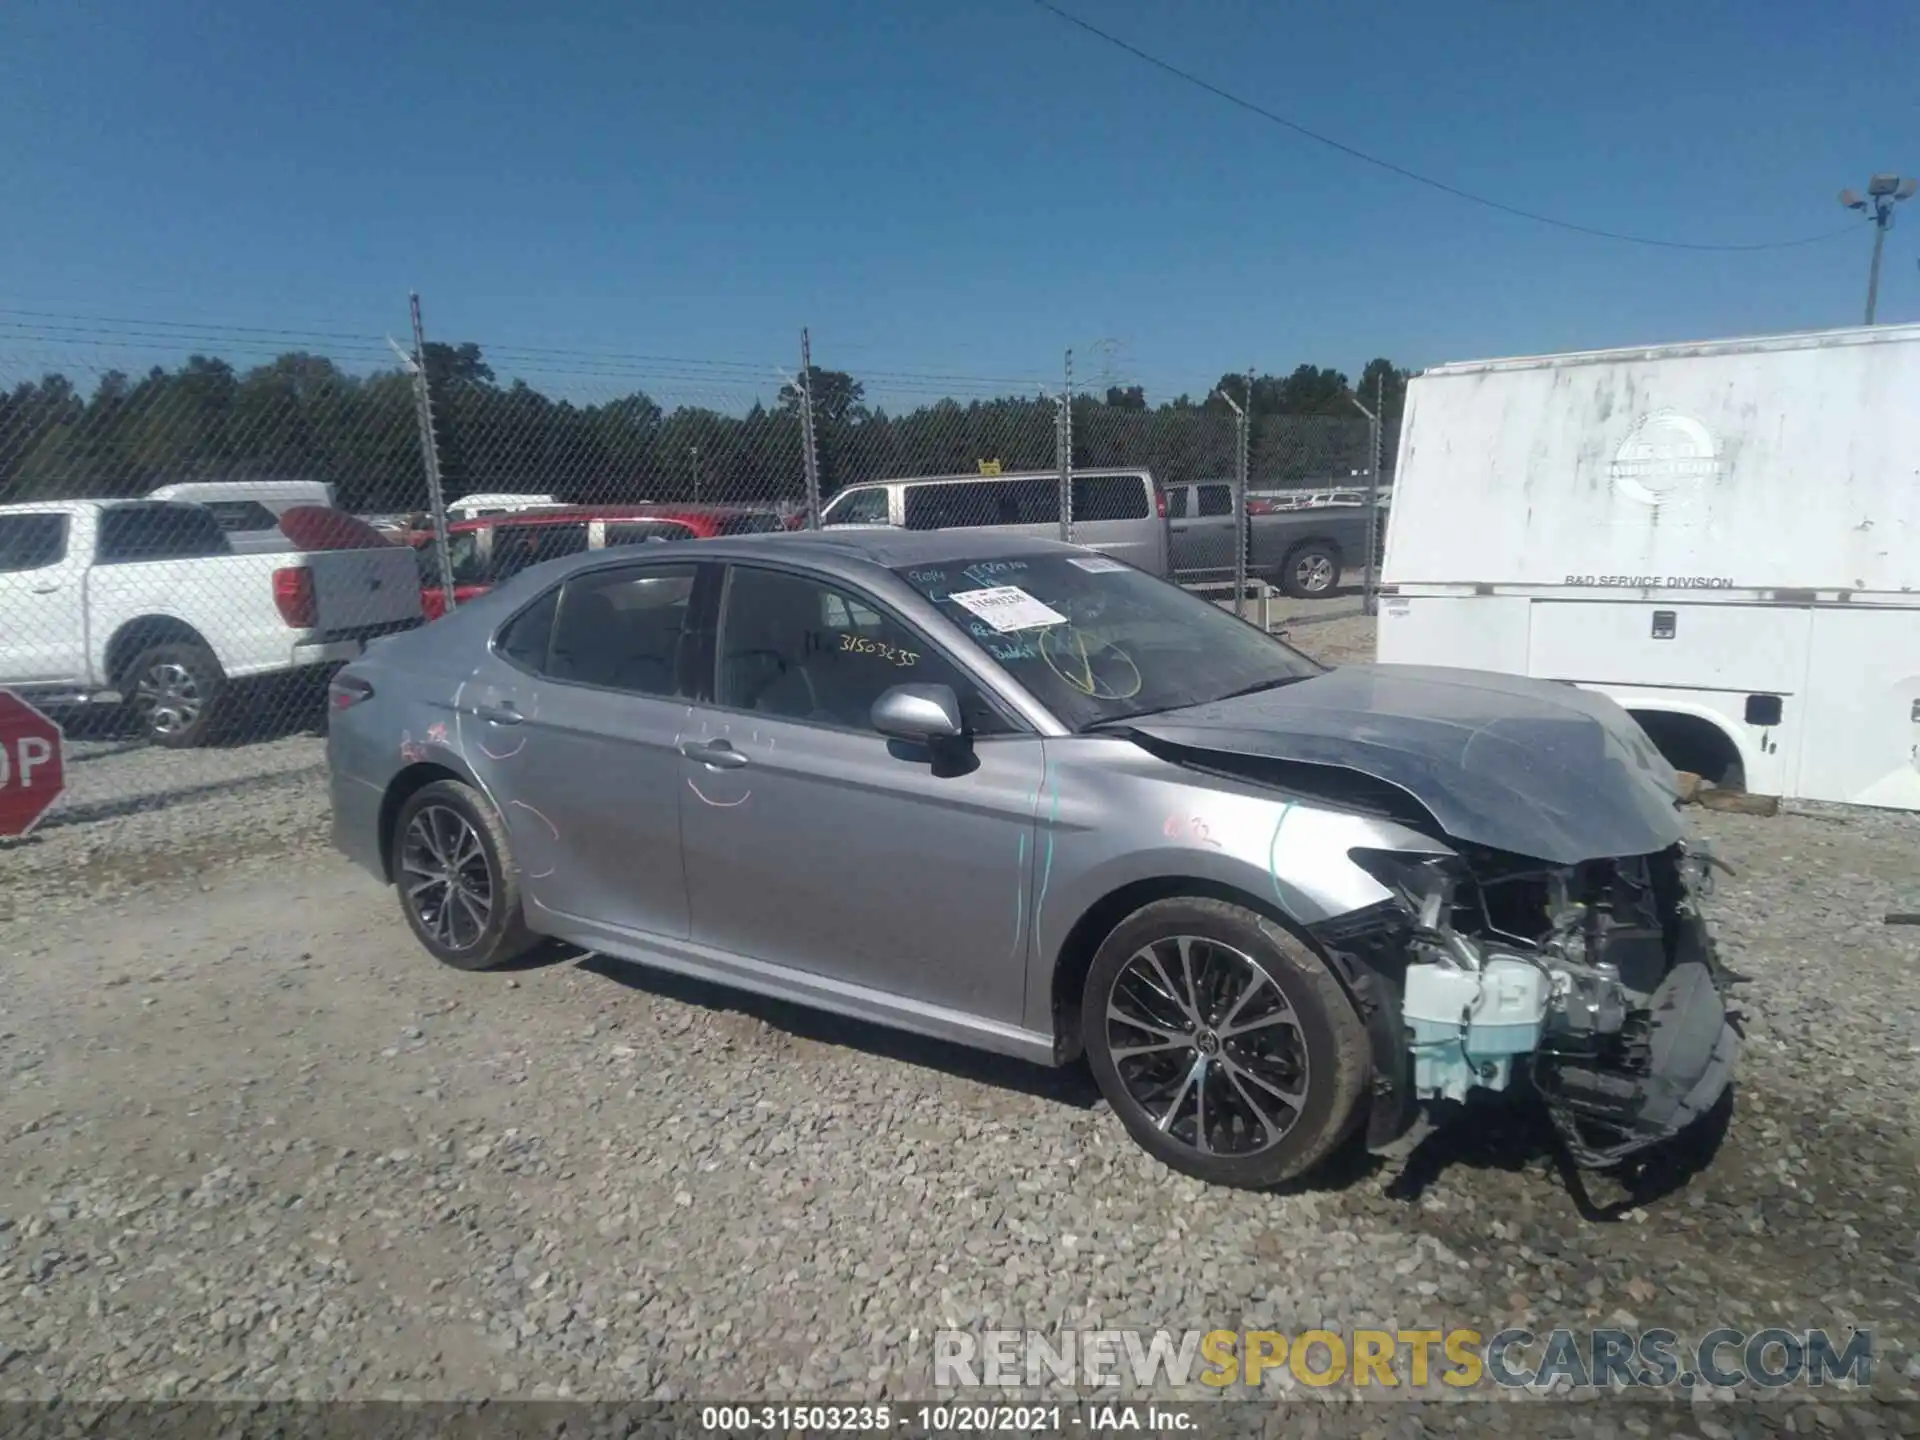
{"x": 1008, "y": 608}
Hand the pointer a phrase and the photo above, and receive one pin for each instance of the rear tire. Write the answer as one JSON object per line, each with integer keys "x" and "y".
{"x": 176, "y": 692}
{"x": 1201, "y": 1077}
{"x": 459, "y": 888}
{"x": 1312, "y": 571}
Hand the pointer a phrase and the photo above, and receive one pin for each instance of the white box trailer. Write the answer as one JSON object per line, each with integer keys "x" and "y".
{"x": 1724, "y": 537}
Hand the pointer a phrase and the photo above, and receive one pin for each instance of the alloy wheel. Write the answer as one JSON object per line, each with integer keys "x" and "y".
{"x": 446, "y": 878}
{"x": 169, "y": 697}
{"x": 1207, "y": 1045}
{"x": 1314, "y": 573}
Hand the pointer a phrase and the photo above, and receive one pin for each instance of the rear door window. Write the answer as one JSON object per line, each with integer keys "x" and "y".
{"x": 1110, "y": 497}
{"x": 1177, "y": 502}
{"x": 133, "y": 533}
{"x": 960, "y": 504}
{"x": 1216, "y": 500}
{"x": 523, "y": 640}
{"x": 622, "y": 629}
{"x": 31, "y": 542}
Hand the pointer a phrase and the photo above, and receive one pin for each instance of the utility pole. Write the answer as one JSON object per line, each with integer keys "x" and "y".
{"x": 694, "y": 451}
{"x": 808, "y": 438}
{"x": 430, "y": 453}
{"x": 1883, "y": 192}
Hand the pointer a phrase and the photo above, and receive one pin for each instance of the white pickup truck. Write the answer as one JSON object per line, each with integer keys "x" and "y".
{"x": 144, "y": 603}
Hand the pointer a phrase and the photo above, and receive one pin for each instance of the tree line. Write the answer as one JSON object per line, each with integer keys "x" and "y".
{"x": 303, "y": 416}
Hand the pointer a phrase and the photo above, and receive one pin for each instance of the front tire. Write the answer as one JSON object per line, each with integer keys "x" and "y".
{"x": 1223, "y": 1042}
{"x": 459, "y": 888}
{"x": 176, "y": 693}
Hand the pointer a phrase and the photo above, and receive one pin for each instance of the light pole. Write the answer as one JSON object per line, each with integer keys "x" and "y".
{"x": 1882, "y": 192}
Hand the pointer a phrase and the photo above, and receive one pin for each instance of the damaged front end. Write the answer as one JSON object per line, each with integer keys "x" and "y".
{"x": 1596, "y": 983}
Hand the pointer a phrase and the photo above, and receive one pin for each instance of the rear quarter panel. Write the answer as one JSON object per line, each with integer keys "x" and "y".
{"x": 411, "y": 721}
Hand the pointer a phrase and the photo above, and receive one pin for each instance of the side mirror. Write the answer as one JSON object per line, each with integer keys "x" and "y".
{"x": 920, "y": 713}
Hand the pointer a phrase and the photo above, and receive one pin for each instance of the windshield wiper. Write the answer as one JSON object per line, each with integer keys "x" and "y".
{"x": 1122, "y": 721}
{"x": 1255, "y": 689}
{"x": 1132, "y": 715}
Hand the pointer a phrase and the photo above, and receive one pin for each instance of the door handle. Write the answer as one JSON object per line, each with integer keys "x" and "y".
{"x": 719, "y": 754}
{"x": 45, "y": 589}
{"x": 501, "y": 714}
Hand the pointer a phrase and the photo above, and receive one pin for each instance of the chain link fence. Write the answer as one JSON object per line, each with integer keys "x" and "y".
{"x": 216, "y": 617}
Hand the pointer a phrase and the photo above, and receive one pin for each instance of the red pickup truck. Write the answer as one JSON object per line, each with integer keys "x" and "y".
{"x": 492, "y": 548}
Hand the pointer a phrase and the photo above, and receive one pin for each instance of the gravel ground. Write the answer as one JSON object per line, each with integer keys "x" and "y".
{"x": 256, "y": 1144}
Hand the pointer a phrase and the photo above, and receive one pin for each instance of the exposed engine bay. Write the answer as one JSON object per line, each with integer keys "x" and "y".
{"x": 1596, "y": 983}
{"x": 1553, "y": 936}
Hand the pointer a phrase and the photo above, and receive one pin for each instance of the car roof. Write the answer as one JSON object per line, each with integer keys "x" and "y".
{"x": 889, "y": 546}
{"x": 847, "y": 552}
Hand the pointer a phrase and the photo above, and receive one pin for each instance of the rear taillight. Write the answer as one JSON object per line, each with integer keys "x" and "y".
{"x": 433, "y": 603}
{"x": 346, "y": 691}
{"x": 1261, "y": 507}
{"x": 293, "y": 594}
{"x": 1160, "y": 502}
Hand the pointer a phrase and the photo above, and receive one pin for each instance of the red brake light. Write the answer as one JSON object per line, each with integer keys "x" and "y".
{"x": 293, "y": 594}
{"x": 1160, "y": 501}
{"x": 345, "y": 691}
{"x": 1261, "y": 507}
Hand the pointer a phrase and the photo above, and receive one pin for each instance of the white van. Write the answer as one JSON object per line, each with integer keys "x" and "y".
{"x": 1724, "y": 537}
{"x": 250, "y": 510}
{"x": 1119, "y": 512}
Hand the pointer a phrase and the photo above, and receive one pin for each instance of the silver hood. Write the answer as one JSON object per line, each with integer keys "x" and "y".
{"x": 1533, "y": 767}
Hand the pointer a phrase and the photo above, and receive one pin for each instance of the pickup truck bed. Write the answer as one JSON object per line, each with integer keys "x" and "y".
{"x": 1302, "y": 551}
{"x": 145, "y": 603}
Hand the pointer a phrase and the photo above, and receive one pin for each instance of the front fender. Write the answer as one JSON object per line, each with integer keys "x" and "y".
{"x": 1289, "y": 855}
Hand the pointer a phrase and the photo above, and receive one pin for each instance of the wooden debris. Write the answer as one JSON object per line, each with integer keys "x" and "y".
{"x": 1738, "y": 801}
{"x": 1686, "y": 786}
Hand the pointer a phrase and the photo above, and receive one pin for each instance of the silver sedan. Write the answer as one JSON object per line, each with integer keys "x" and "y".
{"x": 1020, "y": 795}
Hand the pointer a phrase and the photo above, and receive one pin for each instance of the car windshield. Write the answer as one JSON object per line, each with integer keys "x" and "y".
{"x": 1097, "y": 641}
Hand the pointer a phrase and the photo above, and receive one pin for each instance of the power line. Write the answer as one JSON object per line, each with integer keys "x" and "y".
{"x": 1402, "y": 171}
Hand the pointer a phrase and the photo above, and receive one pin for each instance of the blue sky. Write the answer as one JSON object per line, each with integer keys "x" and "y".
{"x": 947, "y": 188}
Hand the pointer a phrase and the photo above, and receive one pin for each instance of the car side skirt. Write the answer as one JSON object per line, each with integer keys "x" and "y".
{"x": 779, "y": 982}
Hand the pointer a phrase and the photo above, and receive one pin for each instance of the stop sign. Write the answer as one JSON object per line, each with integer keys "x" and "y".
{"x": 32, "y": 765}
